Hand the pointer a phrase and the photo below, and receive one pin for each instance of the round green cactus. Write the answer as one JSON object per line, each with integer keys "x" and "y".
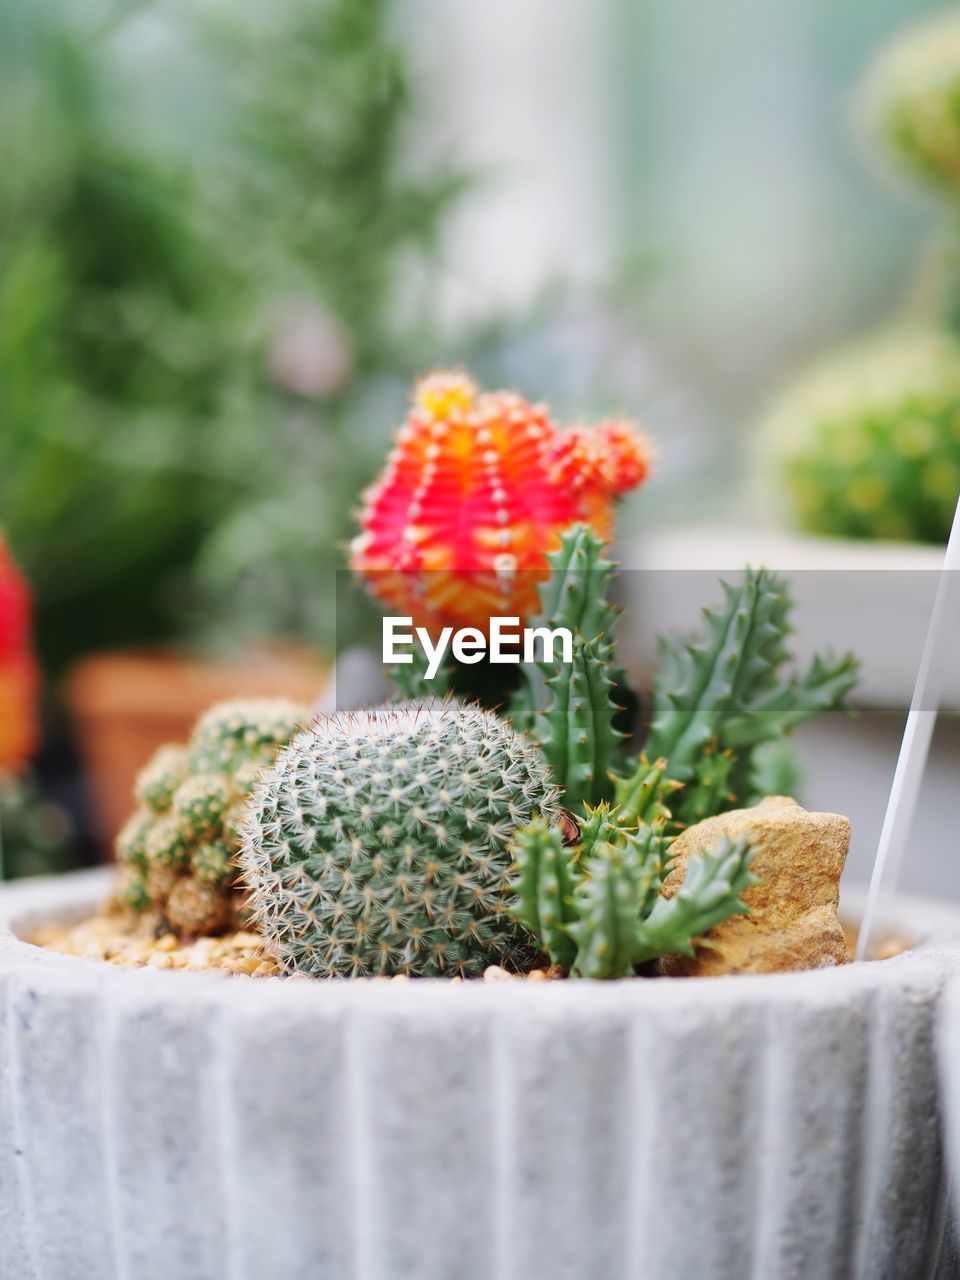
{"x": 911, "y": 100}
{"x": 177, "y": 850}
{"x": 869, "y": 442}
{"x": 379, "y": 843}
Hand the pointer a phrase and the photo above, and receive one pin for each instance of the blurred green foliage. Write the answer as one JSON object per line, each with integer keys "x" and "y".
{"x": 320, "y": 194}
{"x": 190, "y": 341}
{"x": 34, "y": 831}
{"x": 323, "y": 99}
{"x": 111, "y": 354}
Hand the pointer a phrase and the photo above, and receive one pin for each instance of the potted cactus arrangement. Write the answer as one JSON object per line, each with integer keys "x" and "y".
{"x": 534, "y": 993}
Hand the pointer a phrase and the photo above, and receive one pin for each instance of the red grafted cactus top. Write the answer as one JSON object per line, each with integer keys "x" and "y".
{"x": 476, "y": 490}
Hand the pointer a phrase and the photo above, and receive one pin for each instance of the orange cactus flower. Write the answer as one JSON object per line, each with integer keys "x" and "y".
{"x": 477, "y": 489}
{"x": 19, "y": 677}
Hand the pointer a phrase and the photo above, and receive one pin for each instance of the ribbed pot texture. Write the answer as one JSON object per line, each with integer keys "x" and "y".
{"x": 949, "y": 1057}
{"x": 193, "y": 1126}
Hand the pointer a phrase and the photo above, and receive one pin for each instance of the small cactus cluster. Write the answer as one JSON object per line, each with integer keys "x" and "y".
{"x": 868, "y": 444}
{"x": 570, "y": 707}
{"x": 379, "y": 843}
{"x": 596, "y": 908}
{"x": 911, "y": 99}
{"x": 19, "y": 673}
{"x": 177, "y": 851}
{"x": 475, "y": 493}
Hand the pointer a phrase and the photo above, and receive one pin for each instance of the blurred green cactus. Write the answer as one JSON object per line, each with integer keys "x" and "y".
{"x": 176, "y": 851}
{"x": 911, "y": 100}
{"x": 868, "y": 444}
{"x": 34, "y": 831}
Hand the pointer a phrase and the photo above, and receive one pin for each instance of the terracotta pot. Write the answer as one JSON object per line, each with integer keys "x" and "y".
{"x": 125, "y": 705}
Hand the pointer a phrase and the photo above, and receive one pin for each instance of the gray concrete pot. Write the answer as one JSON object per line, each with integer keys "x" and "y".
{"x": 158, "y": 1124}
{"x": 949, "y": 1058}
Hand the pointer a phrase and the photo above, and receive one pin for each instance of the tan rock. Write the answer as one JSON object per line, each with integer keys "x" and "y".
{"x": 792, "y": 924}
{"x": 495, "y": 973}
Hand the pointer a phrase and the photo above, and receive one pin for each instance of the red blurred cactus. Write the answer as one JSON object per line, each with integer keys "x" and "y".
{"x": 19, "y": 677}
{"x": 476, "y": 491}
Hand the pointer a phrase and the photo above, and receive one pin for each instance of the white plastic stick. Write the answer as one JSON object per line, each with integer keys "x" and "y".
{"x": 917, "y": 734}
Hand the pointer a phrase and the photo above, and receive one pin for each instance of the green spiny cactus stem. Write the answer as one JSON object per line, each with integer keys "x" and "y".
{"x": 642, "y": 795}
{"x": 544, "y": 887}
{"x": 177, "y": 850}
{"x": 868, "y": 443}
{"x": 574, "y": 596}
{"x": 775, "y": 771}
{"x": 700, "y": 684}
{"x": 584, "y": 903}
{"x": 719, "y": 699}
{"x": 709, "y": 894}
{"x": 608, "y": 915}
{"x": 570, "y": 707}
{"x": 576, "y": 729}
{"x": 711, "y": 787}
{"x": 380, "y": 841}
{"x": 599, "y": 823}
{"x": 596, "y": 909}
{"x": 910, "y": 99}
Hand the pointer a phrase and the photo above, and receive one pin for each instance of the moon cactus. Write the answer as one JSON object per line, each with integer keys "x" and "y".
{"x": 476, "y": 491}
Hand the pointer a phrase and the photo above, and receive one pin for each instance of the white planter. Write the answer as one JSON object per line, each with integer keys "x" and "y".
{"x": 157, "y": 1124}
